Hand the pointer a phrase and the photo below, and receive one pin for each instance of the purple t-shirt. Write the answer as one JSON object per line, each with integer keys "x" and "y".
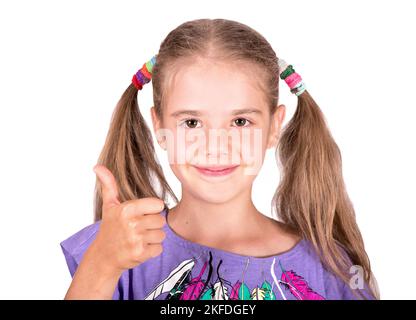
{"x": 187, "y": 270}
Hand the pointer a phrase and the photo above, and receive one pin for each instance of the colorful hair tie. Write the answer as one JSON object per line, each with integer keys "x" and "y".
{"x": 144, "y": 75}
{"x": 292, "y": 79}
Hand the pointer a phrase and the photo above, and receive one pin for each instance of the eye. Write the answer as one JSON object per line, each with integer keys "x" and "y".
{"x": 190, "y": 123}
{"x": 240, "y": 122}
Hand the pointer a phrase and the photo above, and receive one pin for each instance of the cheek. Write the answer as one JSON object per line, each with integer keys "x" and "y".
{"x": 245, "y": 146}
{"x": 185, "y": 147}
{"x": 253, "y": 147}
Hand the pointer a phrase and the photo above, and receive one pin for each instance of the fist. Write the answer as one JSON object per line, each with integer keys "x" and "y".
{"x": 130, "y": 232}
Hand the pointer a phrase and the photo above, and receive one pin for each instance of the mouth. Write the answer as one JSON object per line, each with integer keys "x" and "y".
{"x": 215, "y": 171}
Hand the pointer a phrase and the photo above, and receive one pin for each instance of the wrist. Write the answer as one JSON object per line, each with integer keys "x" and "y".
{"x": 101, "y": 264}
{"x": 94, "y": 277}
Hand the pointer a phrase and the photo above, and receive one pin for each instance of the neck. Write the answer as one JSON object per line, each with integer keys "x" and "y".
{"x": 211, "y": 223}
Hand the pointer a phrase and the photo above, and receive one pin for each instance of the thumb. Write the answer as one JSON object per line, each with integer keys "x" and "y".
{"x": 109, "y": 186}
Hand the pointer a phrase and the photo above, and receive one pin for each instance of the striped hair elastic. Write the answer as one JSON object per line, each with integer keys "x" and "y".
{"x": 144, "y": 75}
{"x": 287, "y": 73}
{"x": 292, "y": 79}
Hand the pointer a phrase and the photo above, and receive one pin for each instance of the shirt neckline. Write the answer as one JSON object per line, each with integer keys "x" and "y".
{"x": 188, "y": 244}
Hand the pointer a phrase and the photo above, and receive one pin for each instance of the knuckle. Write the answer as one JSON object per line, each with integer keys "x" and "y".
{"x": 131, "y": 242}
{"x": 131, "y": 224}
{"x": 124, "y": 212}
{"x": 139, "y": 238}
{"x": 141, "y": 219}
{"x": 134, "y": 240}
{"x": 138, "y": 253}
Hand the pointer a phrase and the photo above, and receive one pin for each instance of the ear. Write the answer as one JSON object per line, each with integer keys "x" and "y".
{"x": 156, "y": 127}
{"x": 277, "y": 119}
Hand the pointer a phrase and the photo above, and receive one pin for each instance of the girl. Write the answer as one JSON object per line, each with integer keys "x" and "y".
{"x": 210, "y": 76}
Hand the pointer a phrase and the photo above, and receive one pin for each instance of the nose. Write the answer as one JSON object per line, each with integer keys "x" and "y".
{"x": 217, "y": 143}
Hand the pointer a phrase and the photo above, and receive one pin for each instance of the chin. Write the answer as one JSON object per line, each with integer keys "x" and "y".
{"x": 213, "y": 189}
{"x": 213, "y": 194}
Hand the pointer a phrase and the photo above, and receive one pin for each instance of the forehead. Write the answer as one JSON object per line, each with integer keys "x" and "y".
{"x": 214, "y": 87}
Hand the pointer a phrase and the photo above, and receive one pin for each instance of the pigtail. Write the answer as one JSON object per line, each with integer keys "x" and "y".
{"x": 129, "y": 153}
{"x": 312, "y": 197}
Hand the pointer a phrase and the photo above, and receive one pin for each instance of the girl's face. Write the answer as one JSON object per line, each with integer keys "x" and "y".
{"x": 216, "y": 117}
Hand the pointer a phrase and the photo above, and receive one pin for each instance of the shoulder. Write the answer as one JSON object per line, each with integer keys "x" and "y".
{"x": 332, "y": 286}
{"x": 74, "y": 248}
{"x": 338, "y": 289}
{"x": 355, "y": 288}
{"x": 75, "y": 245}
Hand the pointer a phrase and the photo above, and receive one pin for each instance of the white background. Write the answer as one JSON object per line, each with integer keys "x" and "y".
{"x": 65, "y": 64}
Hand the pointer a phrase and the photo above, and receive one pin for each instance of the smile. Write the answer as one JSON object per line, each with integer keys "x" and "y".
{"x": 216, "y": 171}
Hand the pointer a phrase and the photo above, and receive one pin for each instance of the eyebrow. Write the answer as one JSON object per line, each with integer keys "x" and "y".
{"x": 197, "y": 113}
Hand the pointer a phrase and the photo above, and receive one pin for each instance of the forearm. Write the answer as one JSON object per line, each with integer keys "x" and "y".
{"x": 93, "y": 278}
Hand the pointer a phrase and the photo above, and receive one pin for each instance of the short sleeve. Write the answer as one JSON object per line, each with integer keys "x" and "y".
{"x": 75, "y": 246}
{"x": 364, "y": 293}
{"x": 337, "y": 289}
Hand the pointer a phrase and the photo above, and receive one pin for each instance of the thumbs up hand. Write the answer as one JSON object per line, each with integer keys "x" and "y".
{"x": 130, "y": 232}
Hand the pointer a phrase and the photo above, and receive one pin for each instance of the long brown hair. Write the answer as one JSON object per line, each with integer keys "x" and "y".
{"x": 311, "y": 197}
